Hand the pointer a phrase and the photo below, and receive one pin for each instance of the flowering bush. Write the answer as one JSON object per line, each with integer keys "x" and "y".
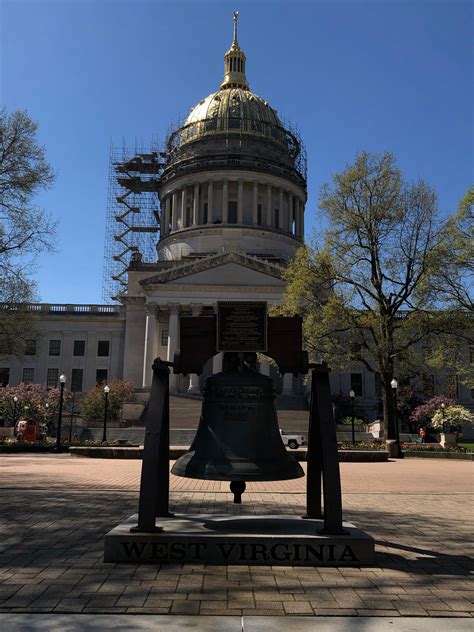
{"x": 452, "y": 419}
{"x": 35, "y": 402}
{"x": 422, "y": 415}
{"x": 93, "y": 402}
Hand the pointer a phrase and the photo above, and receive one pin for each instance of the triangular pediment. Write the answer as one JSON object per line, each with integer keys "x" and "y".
{"x": 230, "y": 268}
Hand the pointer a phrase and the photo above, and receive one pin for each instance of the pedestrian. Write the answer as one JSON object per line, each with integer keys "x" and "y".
{"x": 422, "y": 433}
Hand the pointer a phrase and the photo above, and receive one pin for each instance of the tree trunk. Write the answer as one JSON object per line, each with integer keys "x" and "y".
{"x": 388, "y": 408}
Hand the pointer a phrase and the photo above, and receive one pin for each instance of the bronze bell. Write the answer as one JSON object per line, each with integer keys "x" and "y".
{"x": 238, "y": 438}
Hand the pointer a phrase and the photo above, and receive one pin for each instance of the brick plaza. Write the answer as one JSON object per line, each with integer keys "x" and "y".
{"x": 56, "y": 509}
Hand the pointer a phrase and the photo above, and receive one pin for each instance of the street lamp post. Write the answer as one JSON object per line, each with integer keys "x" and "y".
{"x": 443, "y": 406}
{"x": 72, "y": 417}
{"x": 62, "y": 382}
{"x": 15, "y": 402}
{"x": 106, "y": 403}
{"x": 352, "y": 396}
{"x": 394, "y": 385}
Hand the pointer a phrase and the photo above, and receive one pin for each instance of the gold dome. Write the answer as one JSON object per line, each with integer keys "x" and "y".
{"x": 232, "y": 105}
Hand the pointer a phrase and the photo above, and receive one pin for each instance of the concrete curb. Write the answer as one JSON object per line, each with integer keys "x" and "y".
{"x": 112, "y": 452}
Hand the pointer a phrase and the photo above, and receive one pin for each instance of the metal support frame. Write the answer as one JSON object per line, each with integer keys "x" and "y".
{"x": 155, "y": 477}
{"x": 322, "y": 455}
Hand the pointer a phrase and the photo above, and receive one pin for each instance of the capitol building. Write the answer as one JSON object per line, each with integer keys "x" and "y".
{"x": 232, "y": 195}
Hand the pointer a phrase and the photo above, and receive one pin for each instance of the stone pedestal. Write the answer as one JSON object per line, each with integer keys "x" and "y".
{"x": 283, "y": 540}
{"x": 448, "y": 439}
{"x": 193, "y": 387}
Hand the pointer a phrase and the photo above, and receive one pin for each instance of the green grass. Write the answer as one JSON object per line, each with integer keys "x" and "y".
{"x": 468, "y": 446}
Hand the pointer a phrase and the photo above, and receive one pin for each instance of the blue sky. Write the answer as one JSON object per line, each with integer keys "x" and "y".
{"x": 353, "y": 75}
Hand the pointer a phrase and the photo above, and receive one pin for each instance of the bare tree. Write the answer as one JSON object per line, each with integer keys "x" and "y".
{"x": 25, "y": 229}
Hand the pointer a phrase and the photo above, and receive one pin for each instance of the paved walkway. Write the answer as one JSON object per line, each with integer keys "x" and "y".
{"x": 55, "y": 511}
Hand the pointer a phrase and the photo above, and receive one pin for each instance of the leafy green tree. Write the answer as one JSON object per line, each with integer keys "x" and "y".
{"x": 93, "y": 402}
{"x": 365, "y": 286}
{"x": 25, "y": 229}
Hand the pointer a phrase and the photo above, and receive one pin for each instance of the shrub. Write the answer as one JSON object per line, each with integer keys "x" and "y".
{"x": 347, "y": 421}
{"x": 422, "y": 415}
{"x": 36, "y": 402}
{"x": 452, "y": 419}
{"x": 93, "y": 402}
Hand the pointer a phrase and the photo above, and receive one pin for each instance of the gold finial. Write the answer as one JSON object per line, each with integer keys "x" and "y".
{"x": 236, "y": 17}
{"x": 234, "y": 63}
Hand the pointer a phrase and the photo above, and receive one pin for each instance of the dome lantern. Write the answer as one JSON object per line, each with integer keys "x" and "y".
{"x": 234, "y": 64}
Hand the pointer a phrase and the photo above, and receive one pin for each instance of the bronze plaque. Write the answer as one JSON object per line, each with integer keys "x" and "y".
{"x": 241, "y": 326}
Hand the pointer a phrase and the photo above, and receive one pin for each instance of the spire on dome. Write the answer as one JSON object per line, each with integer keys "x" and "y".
{"x": 234, "y": 63}
{"x": 235, "y": 43}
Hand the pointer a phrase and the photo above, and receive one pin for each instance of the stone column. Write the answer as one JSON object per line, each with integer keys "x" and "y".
{"x": 173, "y": 340}
{"x": 281, "y": 223}
{"x": 255, "y": 204}
{"x": 210, "y": 202}
{"x": 290, "y": 211}
{"x": 264, "y": 367}
{"x": 193, "y": 387}
{"x": 183, "y": 208}
{"x": 240, "y": 202}
{"x": 269, "y": 205}
{"x": 174, "y": 210}
{"x": 287, "y": 384}
{"x": 225, "y": 202}
{"x": 297, "y": 218}
{"x": 151, "y": 343}
{"x": 302, "y": 219}
{"x": 167, "y": 214}
{"x": 196, "y": 205}
{"x": 217, "y": 363}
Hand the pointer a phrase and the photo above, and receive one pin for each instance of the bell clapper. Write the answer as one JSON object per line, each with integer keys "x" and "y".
{"x": 237, "y": 488}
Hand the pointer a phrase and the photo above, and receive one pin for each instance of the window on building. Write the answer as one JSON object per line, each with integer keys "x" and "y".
{"x": 28, "y": 376}
{"x": 4, "y": 376}
{"x": 189, "y": 217}
{"x": 30, "y": 347}
{"x": 103, "y": 348}
{"x": 79, "y": 347}
{"x": 101, "y": 376}
{"x": 164, "y": 337}
{"x": 428, "y": 386}
{"x": 52, "y": 378}
{"x": 204, "y": 213}
{"x": 277, "y": 218}
{"x": 259, "y": 214}
{"x": 232, "y": 212}
{"x": 76, "y": 380}
{"x": 356, "y": 383}
{"x": 452, "y": 386}
{"x": 54, "y": 347}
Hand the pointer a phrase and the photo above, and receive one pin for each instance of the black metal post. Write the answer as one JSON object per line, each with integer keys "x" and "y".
{"x": 106, "y": 404}
{"x": 154, "y": 484}
{"x": 72, "y": 417}
{"x": 60, "y": 418}
{"x": 314, "y": 459}
{"x": 323, "y": 457}
{"x": 14, "y": 412}
{"x": 352, "y": 421}
{"x": 397, "y": 427}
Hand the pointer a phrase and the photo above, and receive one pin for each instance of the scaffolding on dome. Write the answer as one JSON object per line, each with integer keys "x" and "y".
{"x": 133, "y": 213}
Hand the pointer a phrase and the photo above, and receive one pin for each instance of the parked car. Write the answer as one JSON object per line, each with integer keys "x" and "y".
{"x": 293, "y": 441}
